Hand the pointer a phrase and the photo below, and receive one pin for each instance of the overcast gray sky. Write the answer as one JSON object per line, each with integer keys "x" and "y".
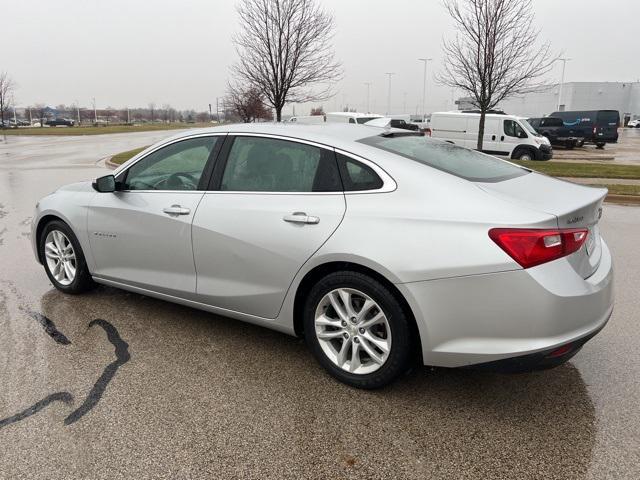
{"x": 132, "y": 52}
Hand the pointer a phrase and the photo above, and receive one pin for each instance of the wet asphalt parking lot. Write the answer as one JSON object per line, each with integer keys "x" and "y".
{"x": 116, "y": 385}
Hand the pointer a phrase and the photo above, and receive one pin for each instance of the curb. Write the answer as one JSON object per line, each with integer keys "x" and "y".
{"x": 623, "y": 199}
{"x": 109, "y": 164}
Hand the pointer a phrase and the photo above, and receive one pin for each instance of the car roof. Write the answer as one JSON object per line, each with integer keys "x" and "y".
{"x": 339, "y": 135}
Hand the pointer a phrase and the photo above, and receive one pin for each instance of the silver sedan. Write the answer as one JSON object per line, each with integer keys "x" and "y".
{"x": 381, "y": 247}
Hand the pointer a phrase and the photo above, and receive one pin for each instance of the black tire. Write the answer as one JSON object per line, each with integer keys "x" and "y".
{"x": 524, "y": 154}
{"x": 82, "y": 281}
{"x": 600, "y": 145}
{"x": 400, "y": 353}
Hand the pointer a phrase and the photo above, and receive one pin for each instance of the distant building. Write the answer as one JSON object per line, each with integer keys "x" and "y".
{"x": 621, "y": 96}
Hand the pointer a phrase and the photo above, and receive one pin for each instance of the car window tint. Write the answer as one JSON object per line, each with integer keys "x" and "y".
{"x": 271, "y": 165}
{"x": 357, "y": 176}
{"x": 512, "y": 129}
{"x": 458, "y": 161}
{"x": 178, "y": 166}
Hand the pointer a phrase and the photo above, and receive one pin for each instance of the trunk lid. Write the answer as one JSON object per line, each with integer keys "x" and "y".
{"x": 574, "y": 206}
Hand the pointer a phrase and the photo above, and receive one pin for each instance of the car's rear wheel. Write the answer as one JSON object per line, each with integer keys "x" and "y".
{"x": 357, "y": 330}
{"x": 63, "y": 258}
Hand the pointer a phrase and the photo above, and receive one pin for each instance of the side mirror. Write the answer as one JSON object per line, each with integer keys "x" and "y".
{"x": 105, "y": 184}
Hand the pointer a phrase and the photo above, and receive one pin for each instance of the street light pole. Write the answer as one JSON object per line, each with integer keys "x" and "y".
{"x": 95, "y": 112}
{"x": 368, "y": 84}
{"x": 424, "y": 87}
{"x": 389, "y": 74}
{"x": 564, "y": 65}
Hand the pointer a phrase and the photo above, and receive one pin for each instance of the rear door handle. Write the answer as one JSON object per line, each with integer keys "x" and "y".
{"x": 502, "y": 138}
{"x": 493, "y": 137}
{"x": 301, "y": 217}
{"x": 176, "y": 210}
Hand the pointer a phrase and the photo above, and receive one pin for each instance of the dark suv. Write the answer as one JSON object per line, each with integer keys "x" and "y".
{"x": 554, "y": 129}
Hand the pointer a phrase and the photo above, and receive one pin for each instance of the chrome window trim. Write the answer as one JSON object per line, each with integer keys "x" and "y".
{"x": 144, "y": 154}
{"x": 388, "y": 183}
{"x": 136, "y": 158}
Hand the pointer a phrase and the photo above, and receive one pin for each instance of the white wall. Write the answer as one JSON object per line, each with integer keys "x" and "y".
{"x": 621, "y": 96}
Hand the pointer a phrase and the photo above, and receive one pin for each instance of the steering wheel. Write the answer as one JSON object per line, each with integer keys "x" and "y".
{"x": 180, "y": 181}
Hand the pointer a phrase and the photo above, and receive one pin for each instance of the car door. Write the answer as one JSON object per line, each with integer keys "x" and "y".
{"x": 513, "y": 136}
{"x": 273, "y": 203}
{"x": 141, "y": 234}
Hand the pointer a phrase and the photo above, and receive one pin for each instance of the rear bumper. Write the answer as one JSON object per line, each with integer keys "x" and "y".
{"x": 479, "y": 319}
{"x": 550, "y": 358}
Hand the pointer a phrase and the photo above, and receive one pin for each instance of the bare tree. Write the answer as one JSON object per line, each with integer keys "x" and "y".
{"x": 41, "y": 112}
{"x": 495, "y": 54}
{"x": 6, "y": 94}
{"x": 284, "y": 49}
{"x": 247, "y": 103}
{"x": 152, "y": 111}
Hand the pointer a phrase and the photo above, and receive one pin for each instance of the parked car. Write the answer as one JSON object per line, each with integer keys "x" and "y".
{"x": 379, "y": 247}
{"x": 386, "y": 122}
{"x": 595, "y": 126}
{"x": 504, "y": 135}
{"x": 350, "y": 117}
{"x": 60, "y": 122}
{"x": 553, "y": 128}
{"x": 634, "y": 123}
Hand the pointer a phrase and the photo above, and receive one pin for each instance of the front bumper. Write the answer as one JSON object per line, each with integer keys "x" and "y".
{"x": 545, "y": 152}
{"x": 477, "y": 319}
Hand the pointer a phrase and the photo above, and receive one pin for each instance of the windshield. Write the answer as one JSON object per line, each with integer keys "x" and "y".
{"x": 529, "y": 128}
{"x": 458, "y": 161}
{"x": 362, "y": 120}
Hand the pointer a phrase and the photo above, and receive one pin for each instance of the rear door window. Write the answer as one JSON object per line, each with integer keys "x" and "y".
{"x": 257, "y": 164}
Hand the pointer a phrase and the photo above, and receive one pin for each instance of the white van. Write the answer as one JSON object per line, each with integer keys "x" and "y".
{"x": 350, "y": 117}
{"x": 308, "y": 119}
{"x": 504, "y": 135}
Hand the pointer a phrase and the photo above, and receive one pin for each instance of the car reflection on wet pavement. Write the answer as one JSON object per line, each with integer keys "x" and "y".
{"x": 112, "y": 384}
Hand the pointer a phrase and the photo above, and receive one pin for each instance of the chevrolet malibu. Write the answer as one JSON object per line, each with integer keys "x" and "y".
{"x": 381, "y": 247}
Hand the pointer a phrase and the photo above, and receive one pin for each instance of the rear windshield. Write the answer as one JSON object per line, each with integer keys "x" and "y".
{"x": 458, "y": 161}
{"x": 362, "y": 120}
{"x": 606, "y": 117}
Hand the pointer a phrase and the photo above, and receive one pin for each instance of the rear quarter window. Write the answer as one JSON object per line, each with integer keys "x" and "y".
{"x": 458, "y": 161}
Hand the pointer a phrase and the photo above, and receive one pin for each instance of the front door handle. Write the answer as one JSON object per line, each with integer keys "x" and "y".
{"x": 176, "y": 210}
{"x": 502, "y": 138}
{"x": 301, "y": 217}
{"x": 493, "y": 137}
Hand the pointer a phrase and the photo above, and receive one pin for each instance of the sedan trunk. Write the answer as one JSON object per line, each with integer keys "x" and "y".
{"x": 575, "y": 206}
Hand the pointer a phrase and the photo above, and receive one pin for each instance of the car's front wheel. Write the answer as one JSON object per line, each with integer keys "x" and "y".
{"x": 357, "y": 329}
{"x": 63, "y": 258}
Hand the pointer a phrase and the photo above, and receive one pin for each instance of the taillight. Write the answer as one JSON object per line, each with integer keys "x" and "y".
{"x": 595, "y": 130}
{"x": 531, "y": 247}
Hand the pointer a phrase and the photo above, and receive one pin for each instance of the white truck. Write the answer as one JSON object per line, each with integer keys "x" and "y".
{"x": 504, "y": 135}
{"x": 350, "y": 117}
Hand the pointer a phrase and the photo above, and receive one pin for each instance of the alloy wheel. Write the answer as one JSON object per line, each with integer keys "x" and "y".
{"x": 353, "y": 331}
{"x": 60, "y": 257}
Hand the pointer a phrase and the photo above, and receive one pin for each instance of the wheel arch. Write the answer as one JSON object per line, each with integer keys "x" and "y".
{"x": 42, "y": 222}
{"x": 524, "y": 147}
{"x": 324, "y": 269}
